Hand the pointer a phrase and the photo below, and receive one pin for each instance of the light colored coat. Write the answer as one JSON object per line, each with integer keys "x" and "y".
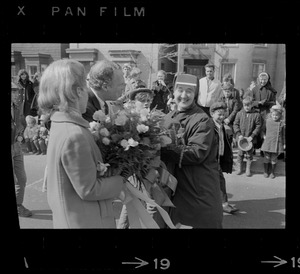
{"x": 208, "y": 94}
{"x": 76, "y": 196}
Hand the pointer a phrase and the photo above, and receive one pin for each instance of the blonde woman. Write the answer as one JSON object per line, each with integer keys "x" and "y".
{"x": 77, "y": 196}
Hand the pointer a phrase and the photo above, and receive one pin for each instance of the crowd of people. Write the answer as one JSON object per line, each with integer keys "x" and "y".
{"x": 214, "y": 118}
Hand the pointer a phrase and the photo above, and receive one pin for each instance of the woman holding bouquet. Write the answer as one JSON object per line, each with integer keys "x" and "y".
{"x": 78, "y": 195}
{"x": 192, "y": 160}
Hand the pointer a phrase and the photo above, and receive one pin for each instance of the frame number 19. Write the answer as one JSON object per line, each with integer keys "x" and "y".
{"x": 162, "y": 264}
{"x": 295, "y": 262}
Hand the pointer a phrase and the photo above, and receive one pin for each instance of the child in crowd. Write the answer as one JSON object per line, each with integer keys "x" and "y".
{"x": 247, "y": 124}
{"x": 235, "y": 93}
{"x": 30, "y": 135}
{"x": 225, "y": 155}
{"x": 274, "y": 142}
{"x": 242, "y": 93}
{"x": 232, "y": 108}
{"x": 142, "y": 98}
{"x": 43, "y": 134}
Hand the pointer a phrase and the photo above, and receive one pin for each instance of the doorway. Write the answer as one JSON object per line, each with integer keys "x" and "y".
{"x": 195, "y": 67}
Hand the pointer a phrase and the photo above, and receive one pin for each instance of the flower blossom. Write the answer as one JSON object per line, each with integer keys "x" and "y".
{"x": 144, "y": 114}
{"x": 99, "y": 115}
{"x": 106, "y": 141}
{"x": 94, "y": 125}
{"x": 102, "y": 168}
{"x": 121, "y": 119}
{"x": 42, "y": 129}
{"x": 141, "y": 128}
{"x": 130, "y": 143}
{"x": 104, "y": 132}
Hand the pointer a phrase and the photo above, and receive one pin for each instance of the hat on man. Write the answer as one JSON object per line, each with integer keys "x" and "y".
{"x": 244, "y": 144}
{"x": 134, "y": 92}
{"x": 217, "y": 105}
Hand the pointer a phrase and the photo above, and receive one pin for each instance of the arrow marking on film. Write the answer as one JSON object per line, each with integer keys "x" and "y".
{"x": 278, "y": 263}
{"x": 140, "y": 263}
{"x": 26, "y": 265}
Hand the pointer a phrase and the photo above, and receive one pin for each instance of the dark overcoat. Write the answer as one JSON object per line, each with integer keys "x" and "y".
{"x": 225, "y": 160}
{"x": 28, "y": 98}
{"x": 247, "y": 124}
{"x": 197, "y": 198}
{"x": 266, "y": 95}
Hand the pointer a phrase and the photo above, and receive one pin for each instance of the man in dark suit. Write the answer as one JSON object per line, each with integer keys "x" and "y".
{"x": 106, "y": 83}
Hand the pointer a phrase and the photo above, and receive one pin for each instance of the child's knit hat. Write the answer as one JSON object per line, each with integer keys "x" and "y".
{"x": 277, "y": 108}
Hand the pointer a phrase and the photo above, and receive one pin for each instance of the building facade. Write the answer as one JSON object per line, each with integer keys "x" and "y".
{"x": 35, "y": 57}
{"x": 149, "y": 58}
{"x": 243, "y": 61}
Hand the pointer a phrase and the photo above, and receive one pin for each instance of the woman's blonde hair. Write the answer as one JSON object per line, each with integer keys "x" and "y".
{"x": 59, "y": 83}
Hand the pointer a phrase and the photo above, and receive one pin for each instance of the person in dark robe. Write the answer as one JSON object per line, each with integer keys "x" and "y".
{"x": 192, "y": 159}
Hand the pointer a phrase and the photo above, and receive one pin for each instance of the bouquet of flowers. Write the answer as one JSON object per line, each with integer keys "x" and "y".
{"x": 130, "y": 141}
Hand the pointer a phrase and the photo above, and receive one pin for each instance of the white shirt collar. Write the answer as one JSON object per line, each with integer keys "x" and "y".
{"x": 101, "y": 102}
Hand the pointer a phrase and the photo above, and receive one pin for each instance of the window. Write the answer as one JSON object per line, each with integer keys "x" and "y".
{"x": 257, "y": 68}
{"x": 228, "y": 68}
{"x": 32, "y": 69}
